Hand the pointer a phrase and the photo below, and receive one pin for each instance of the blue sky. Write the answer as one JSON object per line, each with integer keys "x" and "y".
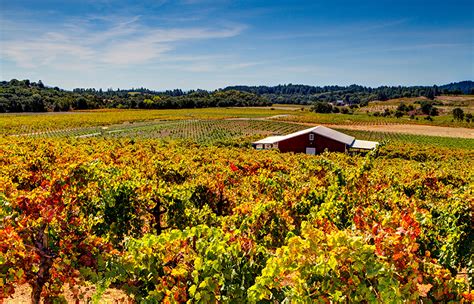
{"x": 208, "y": 44}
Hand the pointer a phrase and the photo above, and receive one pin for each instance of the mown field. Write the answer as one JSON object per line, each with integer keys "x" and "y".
{"x": 181, "y": 210}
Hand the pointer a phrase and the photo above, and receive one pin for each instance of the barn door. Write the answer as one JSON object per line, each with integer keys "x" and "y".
{"x": 311, "y": 151}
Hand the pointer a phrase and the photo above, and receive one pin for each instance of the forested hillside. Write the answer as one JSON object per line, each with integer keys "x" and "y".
{"x": 27, "y": 96}
{"x": 303, "y": 94}
{"x": 463, "y": 87}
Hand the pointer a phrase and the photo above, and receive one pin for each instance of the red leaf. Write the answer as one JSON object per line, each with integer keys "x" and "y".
{"x": 233, "y": 167}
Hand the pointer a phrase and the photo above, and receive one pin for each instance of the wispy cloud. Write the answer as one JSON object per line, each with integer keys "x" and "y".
{"x": 209, "y": 43}
{"x": 213, "y": 66}
{"x": 339, "y": 30}
{"x": 99, "y": 41}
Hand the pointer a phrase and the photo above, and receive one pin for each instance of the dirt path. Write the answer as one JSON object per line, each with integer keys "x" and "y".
{"x": 411, "y": 129}
{"x": 258, "y": 118}
{"x": 110, "y": 296}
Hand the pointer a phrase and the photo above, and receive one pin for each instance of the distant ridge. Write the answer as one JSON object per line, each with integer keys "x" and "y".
{"x": 463, "y": 87}
{"x": 466, "y": 87}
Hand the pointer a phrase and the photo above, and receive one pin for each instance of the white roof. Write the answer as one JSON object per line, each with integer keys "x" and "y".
{"x": 333, "y": 134}
{"x": 364, "y": 144}
{"x": 321, "y": 130}
{"x": 269, "y": 140}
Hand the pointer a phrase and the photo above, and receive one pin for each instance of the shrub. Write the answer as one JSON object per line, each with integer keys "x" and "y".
{"x": 322, "y": 107}
{"x": 458, "y": 114}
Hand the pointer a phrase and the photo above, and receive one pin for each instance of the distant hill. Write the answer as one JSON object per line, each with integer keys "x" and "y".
{"x": 465, "y": 87}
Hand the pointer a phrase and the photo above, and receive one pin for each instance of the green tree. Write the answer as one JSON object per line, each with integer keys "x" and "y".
{"x": 81, "y": 103}
{"x": 468, "y": 117}
{"x": 434, "y": 111}
{"x": 37, "y": 104}
{"x": 402, "y": 107}
{"x": 430, "y": 94}
{"x": 322, "y": 107}
{"x": 458, "y": 114}
{"x": 426, "y": 107}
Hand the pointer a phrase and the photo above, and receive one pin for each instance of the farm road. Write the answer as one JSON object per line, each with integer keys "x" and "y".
{"x": 411, "y": 129}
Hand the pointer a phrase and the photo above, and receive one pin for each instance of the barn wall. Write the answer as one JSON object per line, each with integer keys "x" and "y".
{"x": 299, "y": 143}
{"x": 323, "y": 143}
{"x": 296, "y": 144}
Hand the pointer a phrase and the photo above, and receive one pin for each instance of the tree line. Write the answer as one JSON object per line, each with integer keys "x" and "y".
{"x": 27, "y": 96}
{"x": 353, "y": 94}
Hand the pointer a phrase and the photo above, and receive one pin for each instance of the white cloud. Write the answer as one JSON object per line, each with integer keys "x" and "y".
{"x": 99, "y": 41}
{"x": 31, "y": 54}
{"x": 132, "y": 52}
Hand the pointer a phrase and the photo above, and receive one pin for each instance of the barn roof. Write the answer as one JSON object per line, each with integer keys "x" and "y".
{"x": 364, "y": 144}
{"x": 269, "y": 140}
{"x": 333, "y": 134}
{"x": 321, "y": 130}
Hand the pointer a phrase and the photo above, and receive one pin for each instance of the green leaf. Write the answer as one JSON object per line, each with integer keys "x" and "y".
{"x": 332, "y": 262}
{"x": 192, "y": 290}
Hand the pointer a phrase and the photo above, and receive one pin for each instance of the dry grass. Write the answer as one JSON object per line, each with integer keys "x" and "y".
{"x": 448, "y": 102}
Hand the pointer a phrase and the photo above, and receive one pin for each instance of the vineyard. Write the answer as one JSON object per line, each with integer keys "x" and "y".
{"x": 243, "y": 130}
{"x": 163, "y": 211}
{"x": 200, "y": 131}
{"x": 363, "y": 118}
{"x": 11, "y": 124}
{"x": 16, "y": 124}
{"x": 422, "y": 140}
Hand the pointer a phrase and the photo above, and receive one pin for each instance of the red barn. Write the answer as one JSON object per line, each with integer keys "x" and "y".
{"x": 314, "y": 140}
